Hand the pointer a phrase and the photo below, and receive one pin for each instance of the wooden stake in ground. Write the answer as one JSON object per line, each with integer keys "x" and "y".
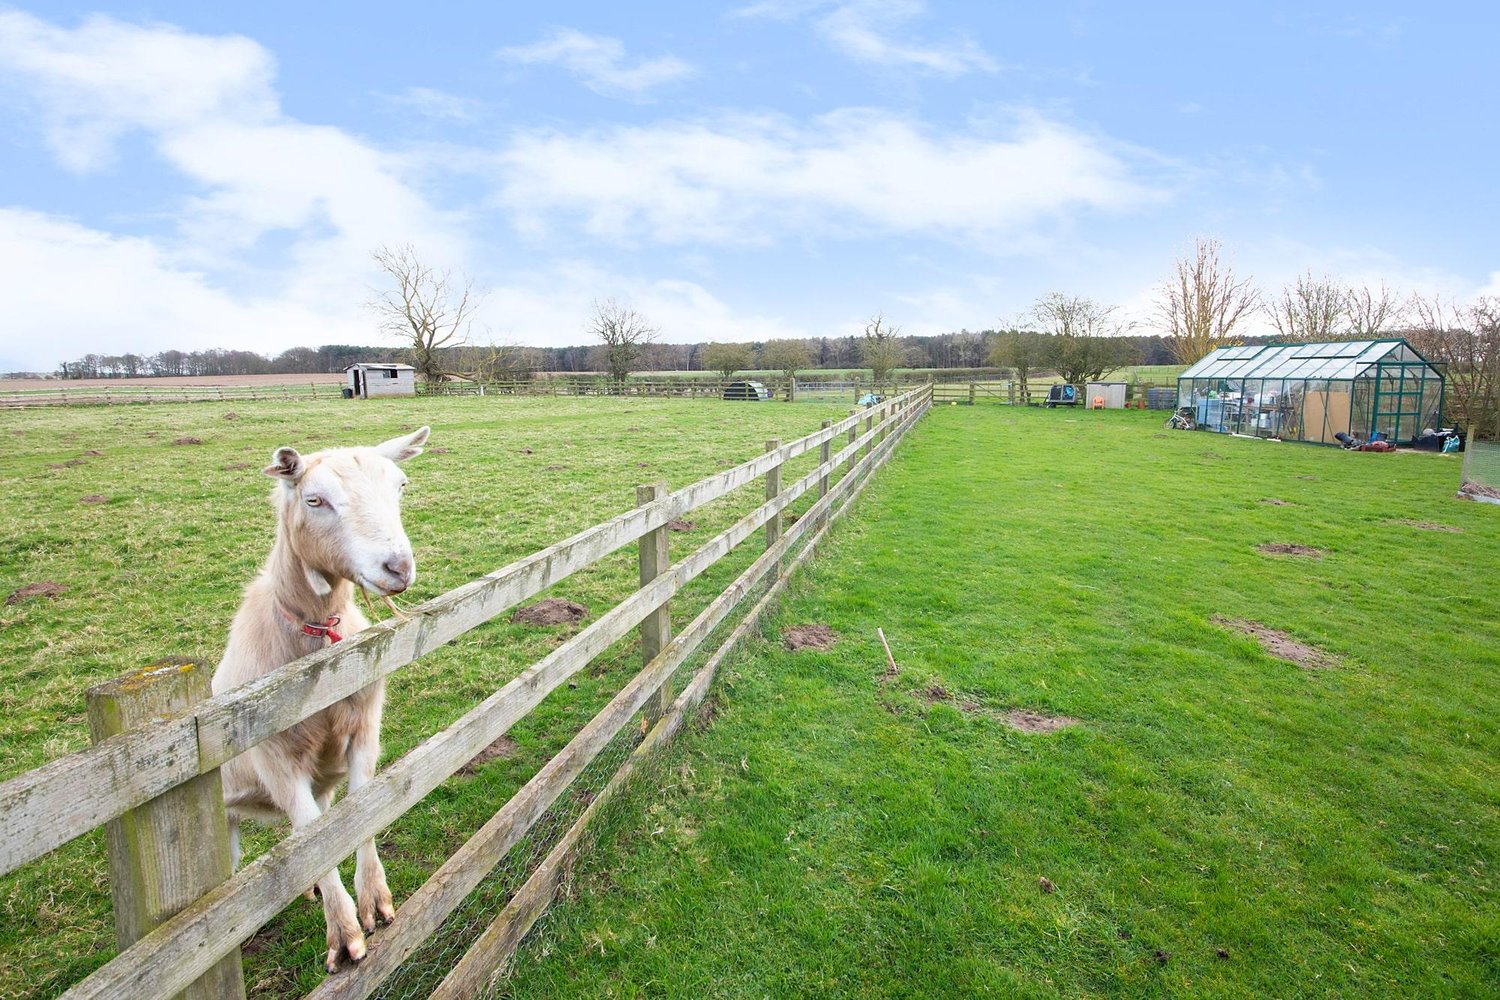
{"x": 888, "y": 657}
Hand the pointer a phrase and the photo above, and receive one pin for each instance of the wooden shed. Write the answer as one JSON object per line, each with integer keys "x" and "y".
{"x": 366, "y": 380}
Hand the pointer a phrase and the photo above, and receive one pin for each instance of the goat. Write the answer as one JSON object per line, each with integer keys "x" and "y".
{"x": 338, "y": 516}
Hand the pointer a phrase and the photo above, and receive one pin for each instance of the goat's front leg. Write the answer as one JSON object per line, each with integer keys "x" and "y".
{"x": 369, "y": 874}
{"x": 295, "y": 796}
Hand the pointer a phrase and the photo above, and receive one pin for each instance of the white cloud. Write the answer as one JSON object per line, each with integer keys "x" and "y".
{"x": 867, "y": 30}
{"x": 600, "y": 62}
{"x": 755, "y": 180}
{"x": 93, "y": 84}
{"x": 436, "y": 104}
{"x": 322, "y": 198}
{"x": 93, "y": 292}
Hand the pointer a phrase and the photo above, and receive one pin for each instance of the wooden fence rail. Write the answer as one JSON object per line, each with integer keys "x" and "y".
{"x": 47, "y": 807}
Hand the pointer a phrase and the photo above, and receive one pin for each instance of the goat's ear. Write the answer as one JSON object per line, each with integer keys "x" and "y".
{"x": 285, "y": 464}
{"x": 401, "y": 448}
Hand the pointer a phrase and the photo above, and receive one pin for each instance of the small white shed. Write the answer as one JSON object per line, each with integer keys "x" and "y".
{"x": 366, "y": 380}
{"x": 1112, "y": 393}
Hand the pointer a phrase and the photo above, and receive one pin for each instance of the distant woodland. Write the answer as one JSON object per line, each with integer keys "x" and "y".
{"x": 963, "y": 349}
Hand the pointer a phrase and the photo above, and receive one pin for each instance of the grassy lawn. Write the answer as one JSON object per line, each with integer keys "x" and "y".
{"x": 153, "y": 542}
{"x": 1218, "y": 823}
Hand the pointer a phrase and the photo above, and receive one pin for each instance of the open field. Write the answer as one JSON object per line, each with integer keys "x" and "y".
{"x": 1218, "y": 822}
{"x": 153, "y": 537}
{"x": 838, "y": 831}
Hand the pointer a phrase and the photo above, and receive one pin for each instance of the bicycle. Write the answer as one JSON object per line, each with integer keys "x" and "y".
{"x": 1181, "y": 420}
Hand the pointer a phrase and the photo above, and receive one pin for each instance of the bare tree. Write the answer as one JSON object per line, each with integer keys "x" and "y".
{"x": 726, "y": 359}
{"x": 1308, "y": 311}
{"x": 1202, "y": 303}
{"x": 624, "y": 333}
{"x": 1370, "y": 313}
{"x": 880, "y": 349}
{"x": 1087, "y": 337}
{"x": 785, "y": 356}
{"x": 1021, "y": 350}
{"x": 428, "y": 310}
{"x": 1464, "y": 340}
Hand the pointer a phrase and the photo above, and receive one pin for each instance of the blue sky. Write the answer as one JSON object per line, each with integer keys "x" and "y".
{"x": 190, "y": 175}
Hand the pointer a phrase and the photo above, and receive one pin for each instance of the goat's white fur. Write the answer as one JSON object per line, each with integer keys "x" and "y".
{"x": 338, "y": 516}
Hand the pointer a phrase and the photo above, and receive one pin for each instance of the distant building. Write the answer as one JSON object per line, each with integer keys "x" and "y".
{"x": 366, "y": 380}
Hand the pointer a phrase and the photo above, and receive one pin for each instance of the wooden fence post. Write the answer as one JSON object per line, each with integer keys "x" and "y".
{"x": 825, "y": 455}
{"x": 971, "y": 393}
{"x": 791, "y": 389}
{"x": 165, "y": 853}
{"x": 656, "y": 628}
{"x": 869, "y": 426}
{"x": 773, "y": 490}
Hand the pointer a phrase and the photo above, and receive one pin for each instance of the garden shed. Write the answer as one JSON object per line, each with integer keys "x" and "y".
{"x": 1312, "y": 392}
{"x": 366, "y": 380}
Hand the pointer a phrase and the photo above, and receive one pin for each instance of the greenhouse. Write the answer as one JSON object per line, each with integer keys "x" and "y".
{"x": 1365, "y": 390}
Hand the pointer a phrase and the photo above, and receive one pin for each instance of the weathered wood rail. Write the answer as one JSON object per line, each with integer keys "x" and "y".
{"x": 127, "y": 775}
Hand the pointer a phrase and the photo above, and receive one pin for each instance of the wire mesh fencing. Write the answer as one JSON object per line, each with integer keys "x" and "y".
{"x": 1481, "y": 475}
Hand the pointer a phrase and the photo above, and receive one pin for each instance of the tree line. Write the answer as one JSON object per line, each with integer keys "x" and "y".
{"x": 296, "y": 361}
{"x": 1201, "y": 306}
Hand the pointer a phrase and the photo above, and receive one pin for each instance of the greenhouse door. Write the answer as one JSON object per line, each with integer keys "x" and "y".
{"x": 1399, "y": 400}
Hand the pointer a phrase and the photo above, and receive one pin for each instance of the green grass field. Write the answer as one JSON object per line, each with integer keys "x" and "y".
{"x": 837, "y": 832}
{"x": 153, "y": 562}
{"x": 840, "y": 833}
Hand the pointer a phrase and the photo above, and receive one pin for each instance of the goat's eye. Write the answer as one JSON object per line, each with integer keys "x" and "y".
{"x": 315, "y": 501}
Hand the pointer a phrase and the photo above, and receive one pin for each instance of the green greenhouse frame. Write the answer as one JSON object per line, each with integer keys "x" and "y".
{"x": 1313, "y": 392}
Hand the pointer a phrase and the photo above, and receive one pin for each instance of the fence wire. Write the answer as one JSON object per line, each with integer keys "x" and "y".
{"x": 426, "y": 967}
{"x": 1481, "y": 476}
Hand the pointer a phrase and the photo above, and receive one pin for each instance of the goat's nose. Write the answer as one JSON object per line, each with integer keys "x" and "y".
{"x": 401, "y": 568}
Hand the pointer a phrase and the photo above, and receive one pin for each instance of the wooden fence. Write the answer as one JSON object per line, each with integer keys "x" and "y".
{"x": 969, "y": 393}
{"x": 180, "y": 917}
{"x": 116, "y": 395}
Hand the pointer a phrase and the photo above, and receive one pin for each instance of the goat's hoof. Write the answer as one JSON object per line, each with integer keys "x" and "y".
{"x": 376, "y": 902}
{"x": 353, "y": 946}
{"x": 311, "y": 893}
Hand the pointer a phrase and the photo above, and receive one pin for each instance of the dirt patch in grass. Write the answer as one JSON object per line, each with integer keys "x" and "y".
{"x": 1025, "y": 719}
{"x": 1029, "y": 721}
{"x": 1290, "y": 549}
{"x": 1274, "y": 502}
{"x": 1428, "y": 526}
{"x": 677, "y": 524}
{"x": 556, "y": 468}
{"x": 93, "y": 498}
{"x": 231, "y": 415}
{"x": 808, "y": 637}
{"x": 502, "y": 748}
{"x": 44, "y": 588}
{"x": 438, "y": 451}
{"x": 527, "y": 451}
{"x": 1311, "y": 479}
{"x": 94, "y": 453}
{"x": 552, "y": 611}
{"x": 1278, "y": 644}
{"x": 187, "y": 440}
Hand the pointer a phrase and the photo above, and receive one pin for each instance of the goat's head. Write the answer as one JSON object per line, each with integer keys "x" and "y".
{"x": 341, "y": 509}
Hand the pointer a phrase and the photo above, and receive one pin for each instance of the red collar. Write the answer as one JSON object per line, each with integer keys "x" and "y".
{"x": 318, "y": 630}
